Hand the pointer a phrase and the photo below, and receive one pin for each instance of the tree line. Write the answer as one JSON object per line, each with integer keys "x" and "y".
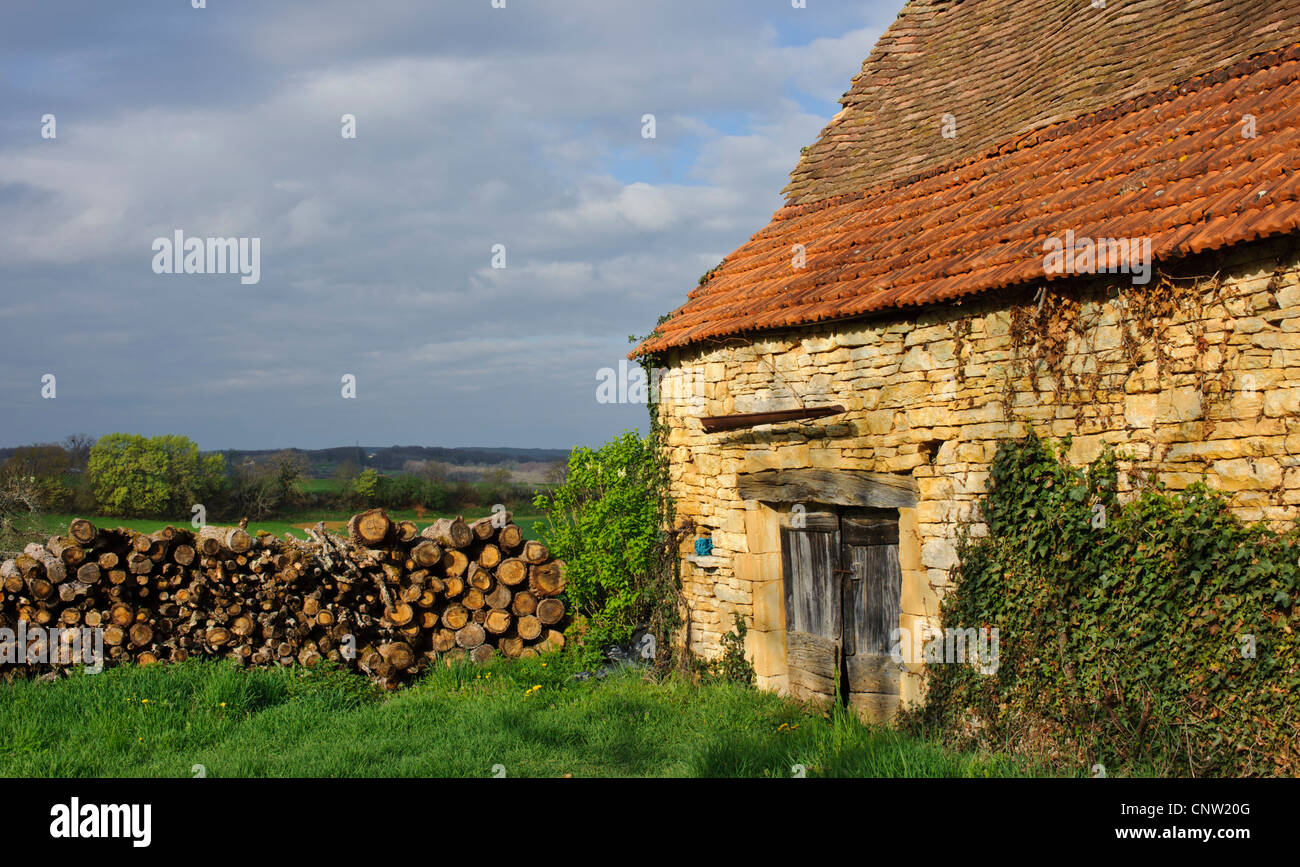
{"x": 165, "y": 476}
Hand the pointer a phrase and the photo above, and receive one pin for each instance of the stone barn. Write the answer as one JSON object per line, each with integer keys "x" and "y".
{"x": 1068, "y": 217}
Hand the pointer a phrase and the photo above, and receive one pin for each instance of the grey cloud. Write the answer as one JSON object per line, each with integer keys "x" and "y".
{"x": 475, "y": 127}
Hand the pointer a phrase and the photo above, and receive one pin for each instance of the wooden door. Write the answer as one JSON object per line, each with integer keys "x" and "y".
{"x": 809, "y": 558}
{"x": 843, "y": 592}
{"x": 872, "y": 604}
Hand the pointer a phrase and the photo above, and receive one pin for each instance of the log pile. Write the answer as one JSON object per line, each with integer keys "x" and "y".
{"x": 387, "y": 599}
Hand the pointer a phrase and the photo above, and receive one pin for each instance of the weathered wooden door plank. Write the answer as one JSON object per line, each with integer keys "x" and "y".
{"x": 809, "y": 560}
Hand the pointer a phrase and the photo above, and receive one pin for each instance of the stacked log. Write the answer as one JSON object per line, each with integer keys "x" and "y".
{"x": 388, "y": 598}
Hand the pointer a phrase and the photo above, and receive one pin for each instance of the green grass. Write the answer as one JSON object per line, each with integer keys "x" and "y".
{"x": 52, "y": 524}
{"x": 316, "y": 486}
{"x": 162, "y": 720}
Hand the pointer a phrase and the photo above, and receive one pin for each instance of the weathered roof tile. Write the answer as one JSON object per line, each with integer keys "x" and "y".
{"x": 1001, "y": 69}
{"x": 1175, "y": 167}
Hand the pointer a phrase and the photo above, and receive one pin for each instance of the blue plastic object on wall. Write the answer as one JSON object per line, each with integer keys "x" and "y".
{"x": 703, "y": 546}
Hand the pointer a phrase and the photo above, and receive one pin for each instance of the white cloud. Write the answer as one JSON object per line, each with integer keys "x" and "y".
{"x": 473, "y": 128}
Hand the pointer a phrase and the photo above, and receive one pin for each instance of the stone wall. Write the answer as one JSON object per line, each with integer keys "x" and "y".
{"x": 1195, "y": 376}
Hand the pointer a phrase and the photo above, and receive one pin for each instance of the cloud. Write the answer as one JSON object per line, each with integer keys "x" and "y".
{"x": 475, "y": 127}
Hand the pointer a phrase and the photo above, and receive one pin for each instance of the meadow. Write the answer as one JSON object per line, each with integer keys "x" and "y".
{"x": 520, "y": 718}
{"x": 294, "y": 524}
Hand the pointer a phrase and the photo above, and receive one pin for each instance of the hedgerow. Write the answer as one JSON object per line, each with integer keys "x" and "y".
{"x": 1156, "y": 636}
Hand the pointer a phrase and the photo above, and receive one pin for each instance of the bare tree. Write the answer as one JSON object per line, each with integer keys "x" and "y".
{"x": 433, "y": 471}
{"x": 347, "y": 471}
{"x": 557, "y": 472}
{"x": 42, "y": 460}
{"x": 253, "y": 491}
{"x": 20, "y": 503}
{"x": 78, "y": 447}
{"x": 288, "y": 468}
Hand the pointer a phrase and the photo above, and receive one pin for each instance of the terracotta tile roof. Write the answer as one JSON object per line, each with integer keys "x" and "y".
{"x": 1001, "y": 68}
{"x": 1173, "y": 166}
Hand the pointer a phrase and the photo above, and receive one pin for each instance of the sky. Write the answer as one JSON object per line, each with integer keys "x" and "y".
{"x": 483, "y": 137}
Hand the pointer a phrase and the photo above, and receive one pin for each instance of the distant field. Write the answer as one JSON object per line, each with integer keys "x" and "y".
{"x": 536, "y": 479}
{"x": 320, "y": 486}
{"x": 295, "y": 524}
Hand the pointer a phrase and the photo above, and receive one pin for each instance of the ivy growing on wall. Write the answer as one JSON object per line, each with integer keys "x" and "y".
{"x": 1154, "y": 636}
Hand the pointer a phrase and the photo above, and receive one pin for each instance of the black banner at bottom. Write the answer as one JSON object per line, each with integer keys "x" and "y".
{"x": 175, "y": 817}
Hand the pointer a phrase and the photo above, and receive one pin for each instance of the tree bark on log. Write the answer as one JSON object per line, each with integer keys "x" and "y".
{"x": 512, "y": 572}
{"x": 489, "y": 557}
{"x": 546, "y": 579}
{"x": 529, "y": 628}
{"x": 523, "y": 603}
{"x": 510, "y": 537}
{"x": 499, "y": 597}
{"x": 369, "y": 529}
{"x": 469, "y": 636}
{"x": 480, "y": 578}
{"x": 450, "y": 532}
{"x": 82, "y": 530}
{"x": 550, "y": 611}
{"x": 486, "y": 528}
{"x": 426, "y": 554}
{"x": 455, "y": 616}
{"x": 534, "y": 552}
{"x": 385, "y": 599}
{"x": 497, "y": 621}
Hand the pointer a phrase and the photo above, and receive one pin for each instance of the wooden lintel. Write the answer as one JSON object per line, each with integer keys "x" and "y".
{"x": 833, "y": 487}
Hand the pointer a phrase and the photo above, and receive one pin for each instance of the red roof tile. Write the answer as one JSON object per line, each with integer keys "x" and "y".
{"x": 1004, "y": 68}
{"x": 1173, "y": 166}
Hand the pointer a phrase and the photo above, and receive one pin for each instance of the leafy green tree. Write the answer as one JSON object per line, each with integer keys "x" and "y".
{"x": 366, "y": 487}
{"x": 162, "y": 475}
{"x": 603, "y": 521}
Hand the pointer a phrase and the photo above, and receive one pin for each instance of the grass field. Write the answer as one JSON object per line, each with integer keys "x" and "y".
{"x": 528, "y": 716}
{"x": 56, "y": 523}
{"x": 317, "y": 486}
